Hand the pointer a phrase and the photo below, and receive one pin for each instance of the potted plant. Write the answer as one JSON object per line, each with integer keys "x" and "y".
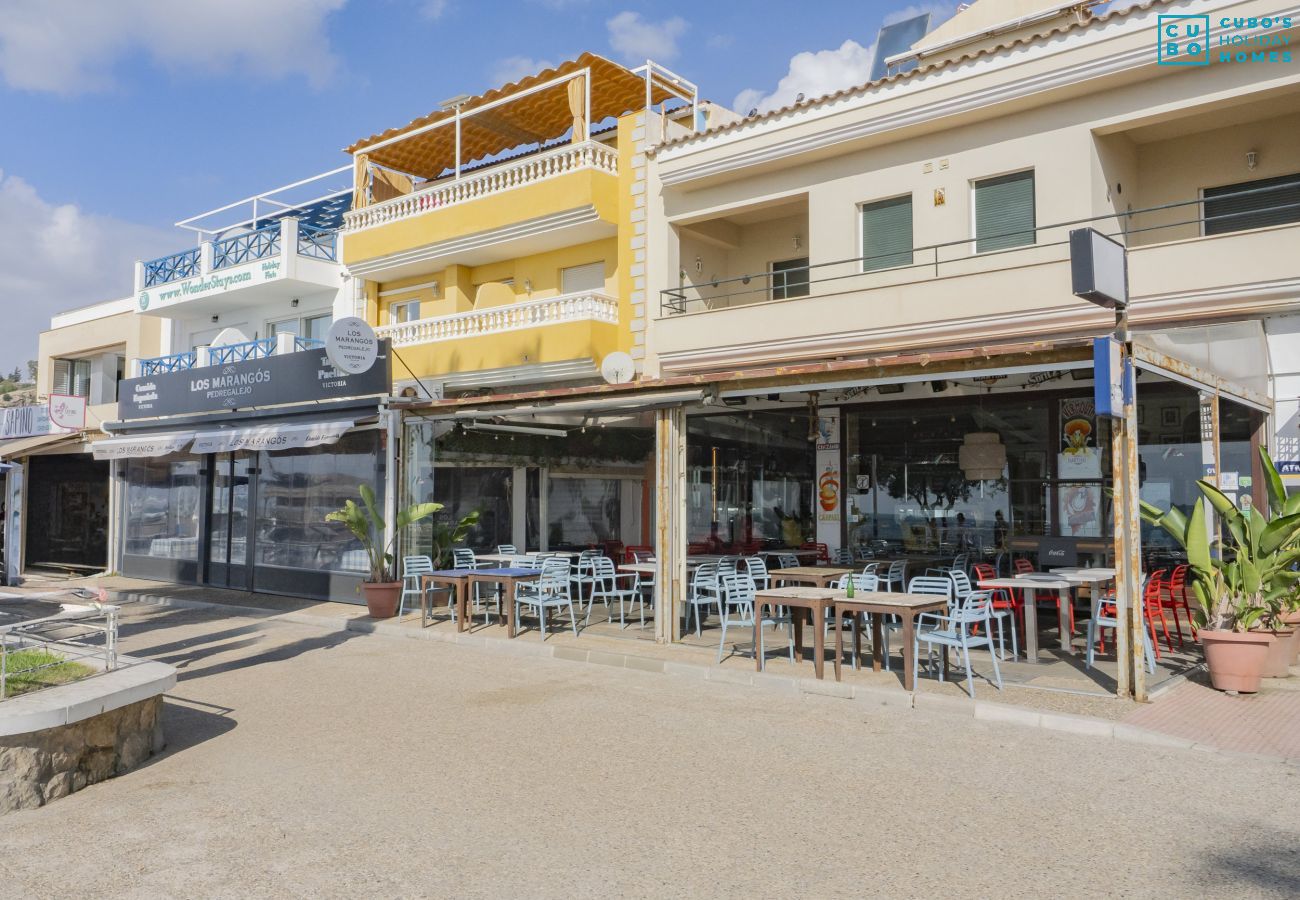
{"x": 1239, "y": 599}
{"x": 382, "y": 588}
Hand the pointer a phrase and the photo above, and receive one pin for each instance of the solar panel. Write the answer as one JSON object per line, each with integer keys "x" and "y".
{"x": 895, "y": 39}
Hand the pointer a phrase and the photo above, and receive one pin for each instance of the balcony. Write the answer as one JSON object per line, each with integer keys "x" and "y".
{"x": 949, "y": 295}
{"x": 225, "y": 353}
{"x": 535, "y": 333}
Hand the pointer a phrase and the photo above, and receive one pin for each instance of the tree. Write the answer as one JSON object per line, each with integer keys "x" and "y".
{"x": 16, "y": 375}
{"x": 32, "y": 367}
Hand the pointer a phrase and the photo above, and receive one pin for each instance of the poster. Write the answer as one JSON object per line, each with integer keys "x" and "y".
{"x": 828, "y": 489}
{"x": 1079, "y": 505}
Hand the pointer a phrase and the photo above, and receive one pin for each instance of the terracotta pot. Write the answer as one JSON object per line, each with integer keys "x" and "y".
{"x": 382, "y": 598}
{"x": 1281, "y": 650}
{"x": 1292, "y": 620}
{"x": 1235, "y": 660}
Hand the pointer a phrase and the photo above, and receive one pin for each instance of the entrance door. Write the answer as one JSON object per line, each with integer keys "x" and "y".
{"x": 230, "y": 536}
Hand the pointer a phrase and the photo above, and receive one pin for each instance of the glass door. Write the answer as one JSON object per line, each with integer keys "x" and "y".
{"x": 229, "y": 534}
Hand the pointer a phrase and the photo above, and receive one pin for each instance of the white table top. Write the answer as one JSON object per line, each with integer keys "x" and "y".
{"x": 1044, "y": 582}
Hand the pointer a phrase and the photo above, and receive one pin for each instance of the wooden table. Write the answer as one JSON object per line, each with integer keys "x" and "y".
{"x": 879, "y": 604}
{"x": 506, "y": 580}
{"x": 815, "y": 600}
{"x": 1033, "y": 583}
{"x": 457, "y": 580}
{"x": 813, "y": 576}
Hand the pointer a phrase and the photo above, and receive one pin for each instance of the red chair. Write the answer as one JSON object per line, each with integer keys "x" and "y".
{"x": 1022, "y": 566}
{"x": 1176, "y": 596}
{"x": 1153, "y": 608}
{"x": 823, "y": 552}
{"x": 630, "y": 554}
{"x": 1001, "y": 597}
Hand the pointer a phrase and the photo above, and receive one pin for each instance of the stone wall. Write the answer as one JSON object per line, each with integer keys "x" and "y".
{"x": 41, "y": 766}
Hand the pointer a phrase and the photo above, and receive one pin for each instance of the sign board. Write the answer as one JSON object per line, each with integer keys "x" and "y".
{"x": 302, "y": 377}
{"x": 1055, "y": 553}
{"x": 24, "y": 421}
{"x": 1108, "y": 381}
{"x": 351, "y": 345}
{"x": 67, "y": 411}
{"x": 828, "y": 490}
{"x": 163, "y": 296}
{"x": 1098, "y": 268}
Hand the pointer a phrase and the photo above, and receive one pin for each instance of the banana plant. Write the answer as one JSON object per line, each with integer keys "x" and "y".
{"x": 367, "y": 525}
{"x": 1259, "y": 582}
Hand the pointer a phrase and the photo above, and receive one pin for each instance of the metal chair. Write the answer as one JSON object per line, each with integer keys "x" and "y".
{"x": 958, "y": 630}
{"x": 412, "y": 568}
{"x": 549, "y": 591}
{"x": 736, "y": 603}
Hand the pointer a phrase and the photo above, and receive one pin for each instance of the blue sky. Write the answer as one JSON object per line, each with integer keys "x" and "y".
{"x": 118, "y": 117}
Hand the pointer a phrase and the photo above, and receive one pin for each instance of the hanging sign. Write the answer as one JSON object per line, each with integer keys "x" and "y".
{"x": 67, "y": 411}
{"x": 351, "y": 345}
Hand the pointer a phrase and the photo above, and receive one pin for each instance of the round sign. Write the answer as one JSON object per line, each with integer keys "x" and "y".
{"x": 351, "y": 345}
{"x": 617, "y": 368}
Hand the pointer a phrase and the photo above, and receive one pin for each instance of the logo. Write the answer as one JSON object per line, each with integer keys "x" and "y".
{"x": 1183, "y": 40}
{"x": 144, "y": 300}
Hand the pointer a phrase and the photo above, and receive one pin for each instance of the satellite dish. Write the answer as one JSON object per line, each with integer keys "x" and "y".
{"x": 617, "y": 368}
{"x": 227, "y": 336}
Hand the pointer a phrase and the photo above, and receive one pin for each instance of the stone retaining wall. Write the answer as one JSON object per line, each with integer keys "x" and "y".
{"x": 41, "y": 766}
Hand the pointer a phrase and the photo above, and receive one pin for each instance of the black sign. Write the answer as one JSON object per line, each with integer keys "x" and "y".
{"x": 300, "y": 377}
{"x": 1057, "y": 553}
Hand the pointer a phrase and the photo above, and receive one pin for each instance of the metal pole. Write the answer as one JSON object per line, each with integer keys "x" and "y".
{"x": 670, "y": 521}
{"x": 392, "y": 478}
{"x": 586, "y": 118}
{"x": 458, "y": 143}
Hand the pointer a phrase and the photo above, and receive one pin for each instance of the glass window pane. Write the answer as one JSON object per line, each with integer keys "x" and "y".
{"x": 162, "y": 508}
{"x": 790, "y": 278}
{"x": 582, "y": 511}
{"x": 288, "y": 326}
{"x": 316, "y": 327}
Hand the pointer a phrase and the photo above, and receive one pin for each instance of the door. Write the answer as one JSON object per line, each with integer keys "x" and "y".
{"x": 230, "y": 534}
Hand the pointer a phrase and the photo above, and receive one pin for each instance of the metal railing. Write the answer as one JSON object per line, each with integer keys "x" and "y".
{"x": 870, "y": 272}
{"x": 245, "y": 350}
{"x": 72, "y": 632}
{"x": 317, "y": 243}
{"x": 172, "y": 267}
{"x": 494, "y": 180}
{"x": 248, "y": 247}
{"x": 576, "y": 307}
{"x": 302, "y": 343}
{"x": 176, "y": 362}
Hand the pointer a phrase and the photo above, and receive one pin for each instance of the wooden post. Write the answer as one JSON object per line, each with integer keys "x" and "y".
{"x": 670, "y": 521}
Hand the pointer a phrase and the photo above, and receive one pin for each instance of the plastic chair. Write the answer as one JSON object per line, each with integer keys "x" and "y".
{"x": 1153, "y": 608}
{"x": 823, "y": 552}
{"x": 962, "y": 589}
{"x": 757, "y": 571}
{"x": 736, "y": 609}
{"x": 931, "y": 584}
{"x": 634, "y": 553}
{"x": 1003, "y": 601}
{"x": 896, "y": 575}
{"x": 843, "y": 556}
{"x": 1176, "y": 596}
{"x": 507, "y": 549}
{"x": 703, "y": 592}
{"x": 610, "y": 585}
{"x": 1107, "y": 617}
{"x": 550, "y": 591}
{"x": 412, "y": 568}
{"x": 958, "y": 629}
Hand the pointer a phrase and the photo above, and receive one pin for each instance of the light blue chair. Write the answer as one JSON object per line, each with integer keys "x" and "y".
{"x": 955, "y": 630}
{"x": 549, "y": 591}
{"x": 703, "y": 592}
{"x": 896, "y": 574}
{"x": 610, "y": 586}
{"x": 1100, "y": 620}
{"x": 962, "y": 588}
{"x": 736, "y": 603}
{"x": 412, "y": 568}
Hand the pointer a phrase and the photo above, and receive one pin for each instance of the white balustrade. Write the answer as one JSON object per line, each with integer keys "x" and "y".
{"x": 494, "y": 180}
{"x": 587, "y": 306}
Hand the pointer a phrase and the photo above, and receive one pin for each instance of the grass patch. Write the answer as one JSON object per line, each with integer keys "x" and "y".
{"x": 57, "y": 671}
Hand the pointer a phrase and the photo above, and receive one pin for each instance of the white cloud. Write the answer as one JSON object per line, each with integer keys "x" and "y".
{"x": 818, "y": 73}
{"x": 637, "y": 40}
{"x": 434, "y": 9}
{"x": 57, "y": 257}
{"x": 512, "y": 68}
{"x": 72, "y": 47}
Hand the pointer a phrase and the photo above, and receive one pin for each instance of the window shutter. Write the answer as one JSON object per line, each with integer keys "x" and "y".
{"x": 1004, "y": 212}
{"x": 81, "y": 378}
{"x": 62, "y": 377}
{"x": 1278, "y": 206}
{"x": 887, "y": 234}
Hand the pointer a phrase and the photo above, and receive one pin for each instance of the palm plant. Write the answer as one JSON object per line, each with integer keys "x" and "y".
{"x": 1259, "y": 583}
{"x": 368, "y": 526}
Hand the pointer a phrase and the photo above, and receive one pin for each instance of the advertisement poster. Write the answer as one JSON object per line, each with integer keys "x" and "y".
{"x": 1079, "y": 505}
{"x": 828, "y": 491}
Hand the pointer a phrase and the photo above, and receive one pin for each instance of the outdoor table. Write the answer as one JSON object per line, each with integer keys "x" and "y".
{"x": 879, "y": 604}
{"x": 798, "y": 554}
{"x": 1033, "y": 583}
{"x": 638, "y": 568}
{"x": 506, "y": 581}
{"x": 815, "y": 600}
{"x": 814, "y": 576}
{"x": 457, "y": 580}
{"x": 501, "y": 559}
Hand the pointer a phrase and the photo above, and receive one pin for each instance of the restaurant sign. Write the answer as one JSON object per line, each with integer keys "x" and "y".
{"x": 303, "y": 377}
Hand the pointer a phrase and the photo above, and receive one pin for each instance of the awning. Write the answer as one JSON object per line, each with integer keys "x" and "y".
{"x": 36, "y": 443}
{"x": 271, "y": 437}
{"x": 144, "y": 445}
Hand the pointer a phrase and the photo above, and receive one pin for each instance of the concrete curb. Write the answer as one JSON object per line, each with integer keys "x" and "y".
{"x": 869, "y": 696}
{"x": 132, "y": 681}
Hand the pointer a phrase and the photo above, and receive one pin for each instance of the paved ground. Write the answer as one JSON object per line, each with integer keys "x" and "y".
{"x": 1265, "y": 723}
{"x": 305, "y": 763}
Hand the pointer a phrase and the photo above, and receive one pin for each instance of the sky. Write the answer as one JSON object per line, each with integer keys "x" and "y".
{"x": 119, "y": 117}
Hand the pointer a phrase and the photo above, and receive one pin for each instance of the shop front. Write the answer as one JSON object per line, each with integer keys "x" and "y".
{"x": 237, "y": 498}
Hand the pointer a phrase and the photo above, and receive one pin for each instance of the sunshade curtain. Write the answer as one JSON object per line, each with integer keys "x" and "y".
{"x": 577, "y": 106}
{"x": 270, "y": 437}
{"x": 360, "y": 181}
{"x": 140, "y": 446}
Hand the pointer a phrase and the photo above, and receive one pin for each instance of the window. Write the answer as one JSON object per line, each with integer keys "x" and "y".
{"x": 406, "y": 311}
{"x": 887, "y": 233}
{"x": 1272, "y": 201}
{"x": 1004, "y": 212}
{"x": 589, "y": 277}
{"x": 790, "y": 278}
{"x": 315, "y": 327}
{"x": 72, "y": 376}
{"x": 288, "y": 326}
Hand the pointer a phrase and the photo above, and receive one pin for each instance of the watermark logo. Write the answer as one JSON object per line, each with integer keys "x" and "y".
{"x": 144, "y": 300}
{"x": 1183, "y": 40}
{"x": 1195, "y": 41}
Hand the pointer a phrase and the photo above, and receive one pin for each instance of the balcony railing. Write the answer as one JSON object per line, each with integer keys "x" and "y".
{"x": 926, "y": 263}
{"x": 587, "y": 306}
{"x": 494, "y": 180}
{"x": 258, "y": 349}
{"x": 318, "y": 243}
{"x": 172, "y": 268}
{"x": 244, "y": 248}
{"x": 302, "y": 343}
{"x": 177, "y": 362}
